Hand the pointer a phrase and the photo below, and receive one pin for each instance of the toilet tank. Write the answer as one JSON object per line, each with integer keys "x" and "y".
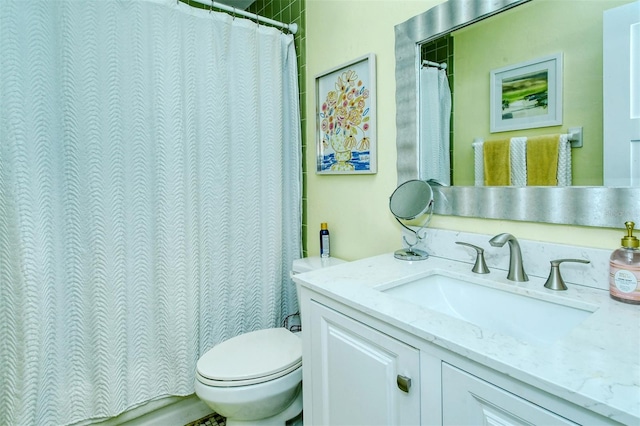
{"x": 307, "y": 264}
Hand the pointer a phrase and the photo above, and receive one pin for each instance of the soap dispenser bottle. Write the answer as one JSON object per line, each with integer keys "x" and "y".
{"x": 624, "y": 269}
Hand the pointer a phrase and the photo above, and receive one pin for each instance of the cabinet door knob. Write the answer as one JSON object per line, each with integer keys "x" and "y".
{"x": 404, "y": 383}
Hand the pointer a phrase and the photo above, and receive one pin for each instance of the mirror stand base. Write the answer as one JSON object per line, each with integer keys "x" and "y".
{"x": 410, "y": 254}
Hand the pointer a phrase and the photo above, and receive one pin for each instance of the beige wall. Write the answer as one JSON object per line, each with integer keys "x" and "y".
{"x": 356, "y": 206}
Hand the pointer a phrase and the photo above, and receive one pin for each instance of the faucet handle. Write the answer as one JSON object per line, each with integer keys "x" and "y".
{"x": 480, "y": 267}
{"x": 555, "y": 281}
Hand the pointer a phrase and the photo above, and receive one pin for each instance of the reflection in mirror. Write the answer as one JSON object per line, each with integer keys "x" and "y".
{"x": 580, "y": 206}
{"x": 435, "y": 117}
{"x": 516, "y": 36}
{"x": 409, "y": 201}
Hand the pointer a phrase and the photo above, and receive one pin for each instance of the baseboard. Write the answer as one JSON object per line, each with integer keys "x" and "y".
{"x": 170, "y": 411}
{"x": 186, "y": 410}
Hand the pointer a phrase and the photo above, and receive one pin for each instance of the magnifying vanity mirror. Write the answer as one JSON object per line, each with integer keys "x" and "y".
{"x": 573, "y": 205}
{"x": 410, "y": 200}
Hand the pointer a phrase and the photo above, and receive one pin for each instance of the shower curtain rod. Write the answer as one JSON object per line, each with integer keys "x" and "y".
{"x": 292, "y": 28}
{"x": 434, "y": 64}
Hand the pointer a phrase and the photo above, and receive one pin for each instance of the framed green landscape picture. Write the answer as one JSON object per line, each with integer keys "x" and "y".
{"x": 527, "y": 95}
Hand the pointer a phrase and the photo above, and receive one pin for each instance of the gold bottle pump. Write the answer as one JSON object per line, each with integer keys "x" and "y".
{"x": 630, "y": 241}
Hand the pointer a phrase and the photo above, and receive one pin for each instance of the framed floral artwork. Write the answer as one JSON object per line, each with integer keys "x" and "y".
{"x": 527, "y": 95}
{"x": 346, "y": 118}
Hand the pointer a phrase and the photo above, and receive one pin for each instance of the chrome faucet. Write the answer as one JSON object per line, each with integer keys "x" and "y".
{"x": 516, "y": 269}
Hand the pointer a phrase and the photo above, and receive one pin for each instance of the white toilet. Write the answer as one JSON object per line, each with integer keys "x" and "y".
{"x": 256, "y": 378}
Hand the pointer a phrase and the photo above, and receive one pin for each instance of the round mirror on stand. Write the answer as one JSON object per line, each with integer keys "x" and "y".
{"x": 410, "y": 200}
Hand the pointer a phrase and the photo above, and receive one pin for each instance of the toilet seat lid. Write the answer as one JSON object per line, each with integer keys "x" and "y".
{"x": 252, "y": 355}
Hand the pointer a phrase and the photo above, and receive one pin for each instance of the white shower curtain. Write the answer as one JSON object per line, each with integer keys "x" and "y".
{"x": 149, "y": 198}
{"x": 435, "y": 116}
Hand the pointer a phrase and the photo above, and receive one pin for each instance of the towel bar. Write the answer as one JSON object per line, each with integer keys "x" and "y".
{"x": 575, "y": 136}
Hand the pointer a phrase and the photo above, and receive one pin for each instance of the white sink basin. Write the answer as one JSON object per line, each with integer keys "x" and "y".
{"x": 525, "y": 318}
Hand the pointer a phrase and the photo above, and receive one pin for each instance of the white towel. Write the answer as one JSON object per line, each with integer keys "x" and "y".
{"x": 564, "y": 161}
{"x": 518, "y": 158}
{"x": 478, "y": 161}
{"x": 435, "y": 109}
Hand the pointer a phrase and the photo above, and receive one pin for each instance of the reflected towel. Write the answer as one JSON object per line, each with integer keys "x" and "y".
{"x": 435, "y": 107}
{"x": 518, "y": 157}
{"x": 564, "y": 161}
{"x": 542, "y": 160}
{"x": 478, "y": 162}
{"x": 496, "y": 163}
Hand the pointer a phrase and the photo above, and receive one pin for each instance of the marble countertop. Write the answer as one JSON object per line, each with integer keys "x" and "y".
{"x": 596, "y": 365}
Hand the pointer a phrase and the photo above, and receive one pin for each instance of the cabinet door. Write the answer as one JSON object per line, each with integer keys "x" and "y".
{"x": 355, "y": 370}
{"x": 468, "y": 400}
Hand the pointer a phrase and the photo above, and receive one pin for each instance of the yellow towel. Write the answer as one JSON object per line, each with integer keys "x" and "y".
{"x": 542, "y": 160}
{"x": 497, "y": 171}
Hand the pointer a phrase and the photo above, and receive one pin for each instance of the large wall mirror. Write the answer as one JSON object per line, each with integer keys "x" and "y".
{"x": 473, "y": 25}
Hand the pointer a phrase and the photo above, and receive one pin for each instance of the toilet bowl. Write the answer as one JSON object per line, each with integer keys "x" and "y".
{"x": 256, "y": 378}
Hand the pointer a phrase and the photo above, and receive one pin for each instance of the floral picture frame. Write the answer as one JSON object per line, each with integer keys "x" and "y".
{"x": 526, "y": 95}
{"x": 346, "y": 118}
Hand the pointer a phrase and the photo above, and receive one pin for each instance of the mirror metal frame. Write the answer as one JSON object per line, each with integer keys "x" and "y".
{"x": 587, "y": 206}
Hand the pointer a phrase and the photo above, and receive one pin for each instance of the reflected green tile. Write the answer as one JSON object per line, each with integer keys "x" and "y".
{"x": 295, "y": 8}
{"x": 288, "y": 13}
{"x": 303, "y": 57}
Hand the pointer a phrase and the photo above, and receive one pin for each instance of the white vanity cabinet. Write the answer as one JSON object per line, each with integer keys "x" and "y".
{"x": 469, "y": 400}
{"x": 359, "y": 376}
{"x": 355, "y": 366}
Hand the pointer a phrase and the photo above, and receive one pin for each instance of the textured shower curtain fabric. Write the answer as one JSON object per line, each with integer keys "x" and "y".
{"x": 149, "y": 198}
{"x": 435, "y": 114}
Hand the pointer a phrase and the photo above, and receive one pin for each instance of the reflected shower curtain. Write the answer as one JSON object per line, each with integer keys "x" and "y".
{"x": 435, "y": 119}
{"x": 149, "y": 198}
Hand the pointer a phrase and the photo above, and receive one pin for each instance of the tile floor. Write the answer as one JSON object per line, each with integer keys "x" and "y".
{"x": 214, "y": 419}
